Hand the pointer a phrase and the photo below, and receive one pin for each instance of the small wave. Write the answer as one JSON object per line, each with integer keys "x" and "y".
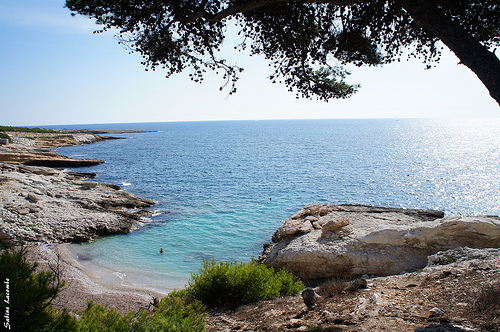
{"x": 120, "y": 275}
{"x": 126, "y": 184}
{"x": 157, "y": 213}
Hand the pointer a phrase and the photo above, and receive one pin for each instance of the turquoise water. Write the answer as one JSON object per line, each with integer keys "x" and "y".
{"x": 223, "y": 188}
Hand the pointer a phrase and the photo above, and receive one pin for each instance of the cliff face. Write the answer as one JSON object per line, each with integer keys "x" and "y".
{"x": 48, "y": 159}
{"x": 323, "y": 241}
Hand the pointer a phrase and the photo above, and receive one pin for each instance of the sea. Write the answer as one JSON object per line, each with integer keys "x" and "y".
{"x": 224, "y": 187}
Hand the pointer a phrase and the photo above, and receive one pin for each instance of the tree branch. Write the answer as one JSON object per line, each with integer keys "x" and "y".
{"x": 243, "y": 6}
{"x": 471, "y": 53}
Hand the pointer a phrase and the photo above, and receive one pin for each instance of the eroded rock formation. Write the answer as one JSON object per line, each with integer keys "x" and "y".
{"x": 323, "y": 241}
{"x": 40, "y": 204}
{"x": 48, "y": 159}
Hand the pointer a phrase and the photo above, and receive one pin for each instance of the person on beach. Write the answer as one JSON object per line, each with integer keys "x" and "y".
{"x": 162, "y": 251}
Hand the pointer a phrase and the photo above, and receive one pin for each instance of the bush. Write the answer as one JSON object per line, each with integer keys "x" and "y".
{"x": 449, "y": 260}
{"x": 98, "y": 318}
{"x": 4, "y": 135}
{"x": 174, "y": 313}
{"x": 27, "y": 130}
{"x": 231, "y": 284}
{"x": 217, "y": 285}
{"x": 25, "y": 296}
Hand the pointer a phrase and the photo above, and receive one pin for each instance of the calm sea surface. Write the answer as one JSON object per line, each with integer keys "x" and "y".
{"x": 223, "y": 188}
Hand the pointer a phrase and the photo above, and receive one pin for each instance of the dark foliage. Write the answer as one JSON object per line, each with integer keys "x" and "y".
{"x": 27, "y": 130}
{"x": 26, "y": 295}
{"x": 4, "y": 135}
{"x": 306, "y": 42}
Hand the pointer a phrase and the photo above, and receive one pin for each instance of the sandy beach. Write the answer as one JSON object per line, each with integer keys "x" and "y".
{"x": 84, "y": 284}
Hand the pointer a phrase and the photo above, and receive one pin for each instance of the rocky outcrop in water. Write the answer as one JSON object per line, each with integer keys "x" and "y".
{"x": 40, "y": 204}
{"x": 43, "y": 158}
{"x": 323, "y": 241}
{"x": 29, "y": 149}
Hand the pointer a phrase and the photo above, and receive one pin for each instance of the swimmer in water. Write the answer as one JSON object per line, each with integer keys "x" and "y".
{"x": 162, "y": 251}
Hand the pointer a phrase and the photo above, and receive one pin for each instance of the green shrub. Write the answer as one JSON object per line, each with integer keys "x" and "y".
{"x": 232, "y": 284}
{"x": 27, "y": 130}
{"x": 60, "y": 320}
{"x": 4, "y": 135}
{"x": 449, "y": 260}
{"x": 98, "y": 318}
{"x": 26, "y": 295}
{"x": 174, "y": 313}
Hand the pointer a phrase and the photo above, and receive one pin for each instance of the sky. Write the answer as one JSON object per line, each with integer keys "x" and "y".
{"x": 55, "y": 71}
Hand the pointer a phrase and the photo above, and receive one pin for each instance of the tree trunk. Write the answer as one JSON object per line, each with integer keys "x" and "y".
{"x": 471, "y": 53}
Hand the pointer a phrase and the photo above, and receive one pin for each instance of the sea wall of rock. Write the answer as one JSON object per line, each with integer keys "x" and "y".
{"x": 323, "y": 241}
{"x": 41, "y": 204}
{"x": 45, "y": 158}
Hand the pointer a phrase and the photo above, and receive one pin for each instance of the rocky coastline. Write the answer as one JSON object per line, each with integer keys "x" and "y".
{"x": 416, "y": 270}
{"x": 457, "y": 291}
{"x": 32, "y": 148}
{"x": 347, "y": 241}
{"x": 424, "y": 271}
{"x": 41, "y": 204}
{"x": 47, "y": 208}
{"x": 52, "y": 205}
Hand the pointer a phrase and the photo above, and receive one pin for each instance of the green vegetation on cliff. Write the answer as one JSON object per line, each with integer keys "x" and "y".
{"x": 28, "y": 130}
{"x": 4, "y": 135}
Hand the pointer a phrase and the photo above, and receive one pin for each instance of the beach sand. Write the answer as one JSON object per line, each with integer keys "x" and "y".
{"x": 83, "y": 283}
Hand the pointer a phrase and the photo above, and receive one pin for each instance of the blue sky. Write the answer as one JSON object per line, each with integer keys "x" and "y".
{"x": 54, "y": 70}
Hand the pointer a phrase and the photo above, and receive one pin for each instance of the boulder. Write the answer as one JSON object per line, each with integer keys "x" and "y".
{"x": 310, "y": 297}
{"x": 352, "y": 240}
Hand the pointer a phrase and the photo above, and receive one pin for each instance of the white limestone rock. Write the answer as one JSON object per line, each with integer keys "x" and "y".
{"x": 354, "y": 240}
{"x": 38, "y": 204}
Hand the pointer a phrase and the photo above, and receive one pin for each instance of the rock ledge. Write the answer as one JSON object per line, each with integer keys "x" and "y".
{"x": 40, "y": 204}
{"x": 323, "y": 241}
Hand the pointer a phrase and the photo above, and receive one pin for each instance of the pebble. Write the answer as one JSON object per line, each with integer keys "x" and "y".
{"x": 34, "y": 198}
{"x": 436, "y": 312}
